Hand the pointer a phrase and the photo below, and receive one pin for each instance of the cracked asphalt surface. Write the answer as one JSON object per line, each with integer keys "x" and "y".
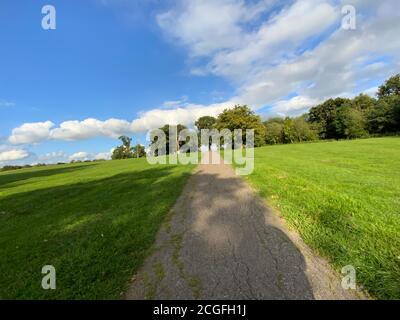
{"x": 221, "y": 241}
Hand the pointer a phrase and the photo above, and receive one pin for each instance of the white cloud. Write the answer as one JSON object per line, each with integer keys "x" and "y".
{"x": 89, "y": 128}
{"x": 103, "y": 156}
{"x": 31, "y": 132}
{"x": 14, "y": 154}
{"x": 52, "y": 157}
{"x": 276, "y": 57}
{"x": 84, "y": 156}
{"x": 182, "y": 115}
{"x": 371, "y": 91}
{"x": 80, "y": 156}
{"x": 207, "y": 26}
{"x": 275, "y": 41}
{"x": 298, "y": 49}
{"x": 293, "y": 106}
{"x": 69, "y": 130}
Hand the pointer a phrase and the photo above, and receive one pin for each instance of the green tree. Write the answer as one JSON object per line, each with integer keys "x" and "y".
{"x": 350, "y": 122}
{"x": 139, "y": 151}
{"x": 288, "y": 133}
{"x": 125, "y": 151}
{"x": 206, "y": 122}
{"x": 242, "y": 117}
{"x": 303, "y": 130}
{"x": 325, "y": 116}
{"x": 166, "y": 129}
{"x": 273, "y": 132}
{"x": 390, "y": 88}
{"x": 297, "y": 130}
{"x": 385, "y": 116}
{"x": 363, "y": 102}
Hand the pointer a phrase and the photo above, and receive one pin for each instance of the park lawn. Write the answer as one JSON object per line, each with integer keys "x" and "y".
{"x": 344, "y": 199}
{"x": 94, "y": 222}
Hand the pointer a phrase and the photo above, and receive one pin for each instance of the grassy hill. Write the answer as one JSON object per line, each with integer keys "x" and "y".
{"x": 344, "y": 199}
{"x": 94, "y": 222}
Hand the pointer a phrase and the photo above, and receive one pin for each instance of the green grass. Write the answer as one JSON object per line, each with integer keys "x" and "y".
{"x": 94, "y": 222}
{"x": 344, "y": 199}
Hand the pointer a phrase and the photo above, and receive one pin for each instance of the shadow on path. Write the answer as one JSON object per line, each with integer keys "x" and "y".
{"x": 222, "y": 243}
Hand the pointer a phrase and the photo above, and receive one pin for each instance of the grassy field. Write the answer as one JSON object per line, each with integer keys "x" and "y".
{"x": 344, "y": 199}
{"x": 94, "y": 222}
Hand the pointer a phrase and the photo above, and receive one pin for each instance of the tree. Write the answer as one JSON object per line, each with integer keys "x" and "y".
{"x": 297, "y": 130}
{"x": 166, "y": 129}
{"x": 273, "y": 132}
{"x": 325, "y": 116}
{"x": 363, "y": 102}
{"x": 139, "y": 151}
{"x": 390, "y": 88}
{"x": 350, "y": 122}
{"x": 385, "y": 116}
{"x": 303, "y": 130}
{"x": 389, "y": 100}
{"x": 288, "y": 131}
{"x": 242, "y": 117}
{"x": 125, "y": 151}
{"x": 206, "y": 122}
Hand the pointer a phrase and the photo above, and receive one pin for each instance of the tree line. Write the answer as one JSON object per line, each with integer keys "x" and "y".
{"x": 339, "y": 118}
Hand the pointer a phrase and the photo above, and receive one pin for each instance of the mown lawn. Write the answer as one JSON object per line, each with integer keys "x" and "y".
{"x": 94, "y": 222}
{"x": 344, "y": 199}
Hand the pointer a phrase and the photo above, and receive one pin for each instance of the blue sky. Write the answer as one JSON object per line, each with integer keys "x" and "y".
{"x": 143, "y": 63}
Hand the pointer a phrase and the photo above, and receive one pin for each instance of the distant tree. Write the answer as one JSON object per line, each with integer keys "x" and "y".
{"x": 325, "y": 116}
{"x": 350, "y": 122}
{"x": 11, "y": 167}
{"x": 206, "y": 122}
{"x": 125, "y": 151}
{"x": 363, "y": 102}
{"x": 273, "y": 132}
{"x": 275, "y": 120}
{"x": 297, "y": 130}
{"x": 166, "y": 129}
{"x": 203, "y": 123}
{"x": 242, "y": 117}
{"x": 384, "y": 117}
{"x": 389, "y": 97}
{"x": 139, "y": 151}
{"x": 303, "y": 130}
{"x": 390, "y": 88}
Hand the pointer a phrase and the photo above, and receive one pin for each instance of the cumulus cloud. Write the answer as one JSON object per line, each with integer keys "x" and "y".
{"x": 300, "y": 44}
{"x": 14, "y": 154}
{"x": 89, "y": 128}
{"x": 18, "y": 156}
{"x": 207, "y": 26}
{"x": 268, "y": 50}
{"x": 31, "y": 132}
{"x": 52, "y": 157}
{"x": 182, "y": 115}
{"x": 69, "y": 130}
{"x": 294, "y": 106}
{"x": 371, "y": 91}
{"x": 84, "y": 156}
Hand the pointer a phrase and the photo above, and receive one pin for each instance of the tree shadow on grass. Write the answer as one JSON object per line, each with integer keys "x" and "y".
{"x": 96, "y": 234}
{"x": 9, "y": 178}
